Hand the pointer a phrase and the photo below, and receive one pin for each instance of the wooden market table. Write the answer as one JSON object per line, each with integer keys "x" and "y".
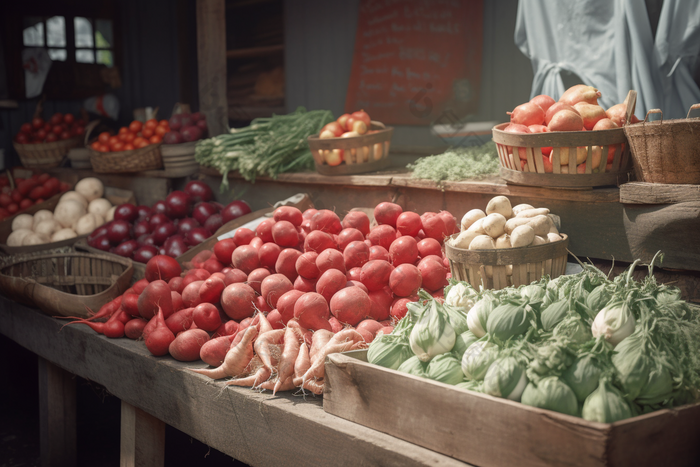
{"x": 255, "y": 428}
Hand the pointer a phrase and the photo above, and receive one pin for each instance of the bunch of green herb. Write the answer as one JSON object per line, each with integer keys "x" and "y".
{"x": 458, "y": 164}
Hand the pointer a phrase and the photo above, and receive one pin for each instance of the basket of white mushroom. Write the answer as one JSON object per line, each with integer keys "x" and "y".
{"x": 507, "y": 245}
{"x": 76, "y": 215}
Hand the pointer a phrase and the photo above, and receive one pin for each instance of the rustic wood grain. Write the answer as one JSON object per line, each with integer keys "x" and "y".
{"x": 490, "y": 431}
{"x": 142, "y": 440}
{"x": 211, "y": 61}
{"x": 658, "y": 193}
{"x": 258, "y": 429}
{"x": 57, "y": 416}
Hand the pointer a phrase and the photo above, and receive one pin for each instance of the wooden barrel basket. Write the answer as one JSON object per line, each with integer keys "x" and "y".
{"x": 65, "y": 283}
{"x": 497, "y": 269}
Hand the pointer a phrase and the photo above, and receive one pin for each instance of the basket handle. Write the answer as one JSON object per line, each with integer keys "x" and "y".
{"x": 654, "y": 111}
{"x": 631, "y": 102}
{"x": 376, "y": 123}
{"x": 693, "y": 107}
{"x": 88, "y": 130}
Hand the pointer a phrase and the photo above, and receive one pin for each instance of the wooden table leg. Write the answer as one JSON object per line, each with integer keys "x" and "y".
{"x": 57, "y": 413}
{"x": 142, "y": 438}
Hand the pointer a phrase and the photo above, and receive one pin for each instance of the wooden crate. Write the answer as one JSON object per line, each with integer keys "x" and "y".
{"x": 364, "y": 153}
{"x": 489, "y": 431}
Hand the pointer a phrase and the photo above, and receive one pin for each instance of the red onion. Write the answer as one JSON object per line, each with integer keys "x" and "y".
{"x": 175, "y": 246}
{"x": 178, "y": 204}
{"x": 126, "y": 212}
{"x": 118, "y": 232}
{"x": 145, "y": 253}
{"x": 199, "y": 191}
{"x": 234, "y": 210}
{"x": 196, "y": 236}
{"x": 126, "y": 249}
{"x": 144, "y": 211}
{"x": 214, "y": 223}
{"x": 159, "y": 207}
{"x": 202, "y": 211}
{"x": 157, "y": 219}
{"x": 142, "y": 227}
{"x": 101, "y": 243}
{"x": 162, "y": 232}
{"x": 186, "y": 224}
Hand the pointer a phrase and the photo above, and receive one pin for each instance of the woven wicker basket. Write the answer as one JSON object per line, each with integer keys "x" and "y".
{"x": 45, "y": 155}
{"x": 146, "y": 158}
{"x": 497, "y": 269}
{"x": 666, "y": 151}
{"x": 65, "y": 283}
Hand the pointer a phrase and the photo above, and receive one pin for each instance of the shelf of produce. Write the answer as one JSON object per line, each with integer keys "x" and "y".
{"x": 598, "y": 224}
{"x": 255, "y": 428}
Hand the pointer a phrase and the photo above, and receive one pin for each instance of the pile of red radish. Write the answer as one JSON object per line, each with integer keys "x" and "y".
{"x": 171, "y": 227}
{"x": 266, "y": 307}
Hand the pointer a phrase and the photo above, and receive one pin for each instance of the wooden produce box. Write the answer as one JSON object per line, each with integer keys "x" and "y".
{"x": 489, "y": 431}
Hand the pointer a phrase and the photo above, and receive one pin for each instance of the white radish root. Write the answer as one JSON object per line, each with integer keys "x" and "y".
{"x": 264, "y": 346}
{"x": 237, "y": 358}
{"x": 289, "y": 356}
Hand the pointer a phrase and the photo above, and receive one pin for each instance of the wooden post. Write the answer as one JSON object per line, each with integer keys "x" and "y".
{"x": 211, "y": 59}
{"x": 57, "y": 407}
{"x": 142, "y": 438}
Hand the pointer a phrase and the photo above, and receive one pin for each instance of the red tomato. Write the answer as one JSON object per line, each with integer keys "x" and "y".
{"x": 64, "y": 135}
{"x": 5, "y": 200}
{"x": 26, "y": 202}
{"x": 37, "y": 122}
{"x": 57, "y": 129}
{"x": 152, "y": 123}
{"x": 51, "y": 186}
{"x": 22, "y": 138}
{"x": 123, "y": 130}
{"x": 155, "y": 139}
{"x": 163, "y": 123}
{"x": 147, "y": 132}
{"x": 118, "y": 146}
{"x": 129, "y": 147}
{"x": 48, "y": 127}
{"x": 79, "y": 131}
{"x": 16, "y": 196}
{"x": 36, "y": 193}
{"x": 3, "y": 213}
{"x": 104, "y": 137}
{"x": 112, "y": 140}
{"x": 96, "y": 145}
{"x": 63, "y": 187}
{"x": 57, "y": 119}
{"x": 51, "y": 137}
{"x": 161, "y": 130}
{"x": 68, "y": 119}
{"x": 140, "y": 142}
{"x": 135, "y": 126}
{"x": 103, "y": 148}
{"x": 40, "y": 134}
{"x": 129, "y": 138}
{"x": 26, "y": 128}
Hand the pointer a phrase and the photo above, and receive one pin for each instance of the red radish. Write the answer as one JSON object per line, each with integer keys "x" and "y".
{"x": 212, "y": 265}
{"x": 326, "y": 221}
{"x": 229, "y": 328}
{"x": 223, "y": 249}
{"x": 237, "y": 358}
{"x": 268, "y": 254}
{"x": 336, "y": 326}
{"x": 245, "y": 258}
{"x": 273, "y": 287}
{"x": 538, "y": 129}
{"x": 238, "y": 301}
{"x": 284, "y": 234}
{"x": 199, "y": 259}
{"x": 311, "y": 310}
{"x": 196, "y": 274}
{"x": 330, "y": 259}
{"x": 243, "y": 236}
{"x": 580, "y": 93}
{"x": 330, "y": 282}
{"x": 162, "y": 267}
{"x": 405, "y": 280}
{"x": 286, "y": 263}
{"x": 130, "y": 305}
{"x": 357, "y": 220}
{"x": 450, "y": 222}
{"x": 433, "y": 274}
{"x": 190, "y": 295}
{"x": 261, "y": 304}
{"x": 290, "y": 214}
{"x": 256, "y": 243}
{"x": 114, "y": 327}
{"x": 354, "y": 274}
{"x": 309, "y": 213}
{"x": 403, "y": 250}
{"x": 399, "y": 308}
{"x": 429, "y": 246}
{"x": 187, "y": 345}
{"x": 213, "y": 352}
{"x": 382, "y": 235}
{"x": 206, "y": 317}
{"x": 380, "y": 304}
{"x": 264, "y": 230}
{"x": 386, "y": 330}
{"x": 318, "y": 241}
{"x": 180, "y": 320}
{"x": 357, "y": 284}
{"x": 369, "y": 329}
{"x": 375, "y": 274}
{"x": 134, "y": 328}
{"x": 387, "y": 213}
{"x": 356, "y": 254}
{"x": 210, "y": 291}
{"x": 176, "y": 298}
{"x": 377, "y": 252}
{"x": 544, "y": 101}
{"x": 235, "y": 276}
{"x": 306, "y": 265}
{"x": 349, "y": 235}
{"x": 285, "y": 369}
{"x": 565, "y": 120}
{"x": 408, "y": 223}
{"x": 155, "y": 296}
{"x": 159, "y": 338}
{"x": 350, "y": 305}
{"x": 305, "y": 285}
{"x": 285, "y": 304}
{"x": 556, "y": 108}
{"x": 256, "y": 277}
{"x": 527, "y": 114}
{"x": 434, "y": 226}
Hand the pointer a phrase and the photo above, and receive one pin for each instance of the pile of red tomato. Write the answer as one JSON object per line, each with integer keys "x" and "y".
{"x": 27, "y": 192}
{"x": 135, "y": 136}
{"x": 59, "y": 127}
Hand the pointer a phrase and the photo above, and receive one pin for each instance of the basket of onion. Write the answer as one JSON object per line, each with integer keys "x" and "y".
{"x": 570, "y": 143}
{"x": 352, "y": 144}
{"x": 507, "y": 246}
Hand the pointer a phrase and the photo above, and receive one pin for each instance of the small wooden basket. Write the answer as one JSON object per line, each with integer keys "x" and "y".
{"x": 65, "y": 283}
{"x": 361, "y": 154}
{"x": 45, "y": 155}
{"x": 605, "y": 153}
{"x": 497, "y": 269}
{"x": 136, "y": 160}
{"x": 666, "y": 151}
{"x": 179, "y": 158}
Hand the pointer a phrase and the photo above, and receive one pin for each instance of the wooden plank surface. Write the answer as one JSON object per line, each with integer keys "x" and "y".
{"x": 658, "y": 193}
{"x": 211, "y": 61}
{"x": 255, "y": 428}
{"x": 57, "y": 416}
{"x": 142, "y": 438}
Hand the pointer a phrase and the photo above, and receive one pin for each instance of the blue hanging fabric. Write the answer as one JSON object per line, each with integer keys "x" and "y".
{"x": 676, "y": 49}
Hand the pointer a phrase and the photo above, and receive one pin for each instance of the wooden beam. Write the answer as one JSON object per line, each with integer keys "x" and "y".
{"x": 57, "y": 406}
{"x": 658, "y": 193}
{"x": 211, "y": 59}
{"x": 142, "y": 438}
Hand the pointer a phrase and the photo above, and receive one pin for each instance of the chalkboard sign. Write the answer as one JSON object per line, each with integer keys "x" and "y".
{"x": 417, "y": 62}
